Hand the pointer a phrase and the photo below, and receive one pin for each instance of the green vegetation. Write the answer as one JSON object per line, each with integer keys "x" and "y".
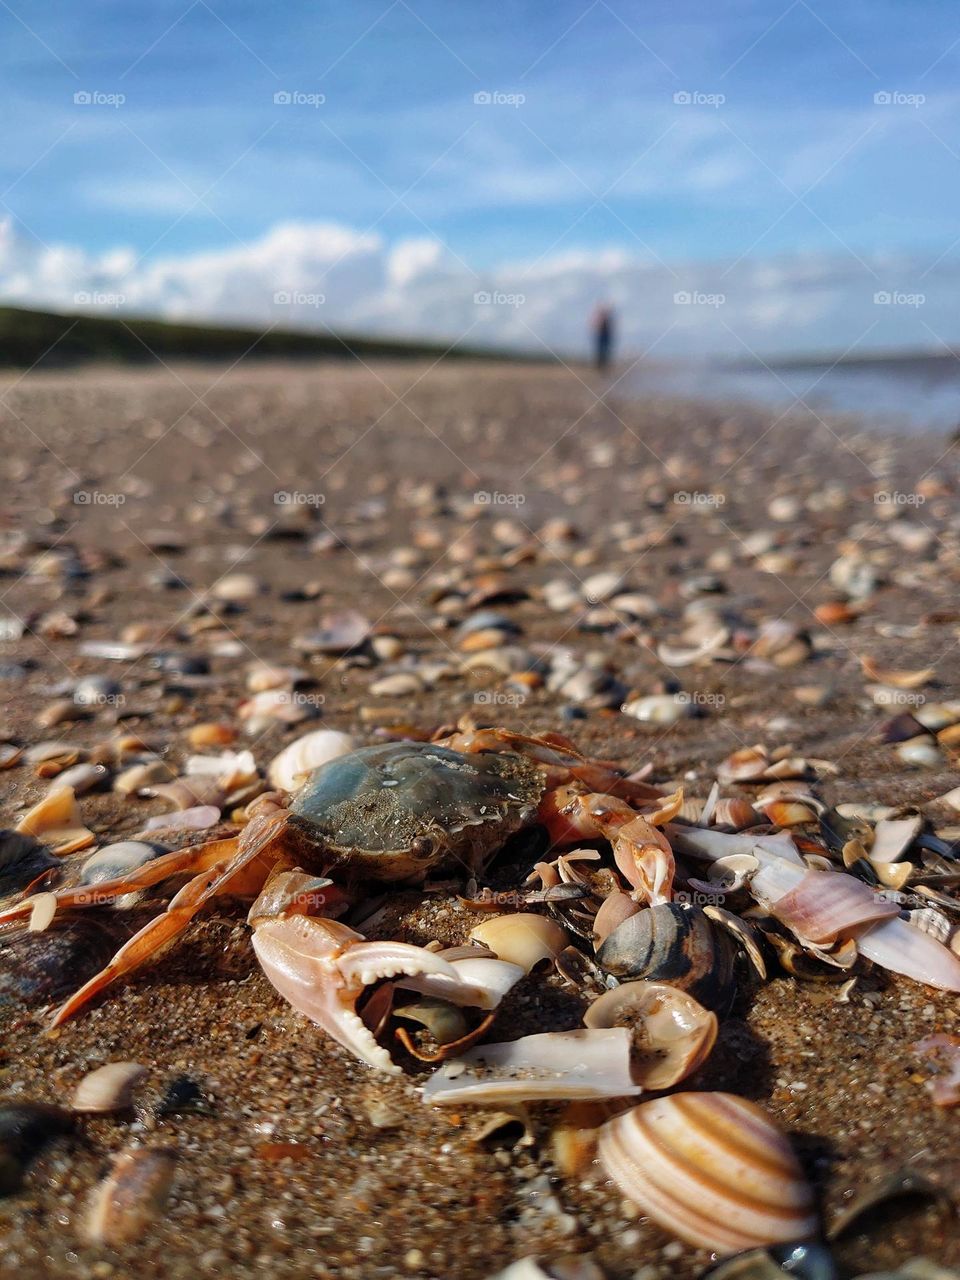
{"x": 48, "y": 339}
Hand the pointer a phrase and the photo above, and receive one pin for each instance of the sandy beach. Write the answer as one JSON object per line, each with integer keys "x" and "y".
{"x": 215, "y": 519}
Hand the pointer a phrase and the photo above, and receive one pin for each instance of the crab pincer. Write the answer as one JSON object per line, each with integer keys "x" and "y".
{"x": 322, "y": 967}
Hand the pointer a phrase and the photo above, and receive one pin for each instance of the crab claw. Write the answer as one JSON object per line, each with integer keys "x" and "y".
{"x": 322, "y": 967}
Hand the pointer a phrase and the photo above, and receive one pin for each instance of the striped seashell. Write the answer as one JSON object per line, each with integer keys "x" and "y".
{"x": 712, "y": 1169}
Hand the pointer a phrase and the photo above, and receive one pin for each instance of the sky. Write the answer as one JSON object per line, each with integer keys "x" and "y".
{"x": 735, "y": 177}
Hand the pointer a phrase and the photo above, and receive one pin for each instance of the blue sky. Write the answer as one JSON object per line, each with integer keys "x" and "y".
{"x": 782, "y": 156}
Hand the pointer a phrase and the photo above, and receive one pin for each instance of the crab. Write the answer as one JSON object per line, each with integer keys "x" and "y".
{"x": 387, "y": 814}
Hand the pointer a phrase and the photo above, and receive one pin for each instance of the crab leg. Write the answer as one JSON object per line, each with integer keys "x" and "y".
{"x": 563, "y": 763}
{"x": 181, "y": 862}
{"x": 226, "y": 867}
{"x": 144, "y": 946}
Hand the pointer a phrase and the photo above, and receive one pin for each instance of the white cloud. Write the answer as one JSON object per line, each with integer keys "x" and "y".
{"x": 326, "y": 275}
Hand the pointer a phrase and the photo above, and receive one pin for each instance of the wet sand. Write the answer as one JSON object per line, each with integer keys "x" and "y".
{"x": 385, "y": 465}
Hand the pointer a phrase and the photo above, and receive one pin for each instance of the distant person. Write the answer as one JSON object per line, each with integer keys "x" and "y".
{"x": 603, "y": 330}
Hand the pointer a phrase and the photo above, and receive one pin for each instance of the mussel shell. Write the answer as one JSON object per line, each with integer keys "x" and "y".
{"x": 25, "y": 1129}
{"x": 677, "y": 944}
{"x": 22, "y": 859}
{"x": 40, "y": 968}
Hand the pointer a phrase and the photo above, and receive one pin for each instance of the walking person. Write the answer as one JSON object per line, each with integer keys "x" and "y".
{"x": 602, "y": 325}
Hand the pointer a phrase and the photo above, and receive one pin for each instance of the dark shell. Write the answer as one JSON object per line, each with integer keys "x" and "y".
{"x": 396, "y": 811}
{"x": 22, "y": 859}
{"x": 676, "y": 944}
{"x": 40, "y": 968}
{"x": 25, "y": 1129}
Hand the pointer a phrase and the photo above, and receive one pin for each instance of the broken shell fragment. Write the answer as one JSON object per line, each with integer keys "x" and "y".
{"x": 133, "y": 1194}
{"x": 109, "y": 1088}
{"x": 586, "y": 1064}
{"x": 673, "y": 1034}
{"x": 711, "y": 1168}
{"x": 56, "y": 820}
{"x": 524, "y": 939}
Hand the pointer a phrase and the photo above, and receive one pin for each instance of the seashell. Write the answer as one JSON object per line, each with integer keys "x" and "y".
{"x": 26, "y": 1128}
{"x": 554, "y": 1065}
{"x": 9, "y": 755}
{"x": 288, "y": 769}
{"x": 898, "y": 679}
{"x": 712, "y": 1169}
{"x": 399, "y": 685}
{"x": 97, "y": 691}
{"x": 40, "y": 968}
{"x": 83, "y": 778}
{"x": 444, "y": 1021}
{"x": 573, "y": 1141}
{"x": 574, "y": 1268}
{"x": 524, "y": 939}
{"x": 933, "y": 922}
{"x": 678, "y": 945}
{"x": 601, "y": 586}
{"x": 746, "y": 765}
{"x": 133, "y": 1194}
{"x": 236, "y": 588}
{"x": 892, "y": 837}
{"x": 109, "y": 1088}
{"x": 275, "y": 706}
{"x": 787, "y": 813}
{"x": 263, "y": 676}
{"x": 735, "y": 813}
{"x": 62, "y": 711}
{"x": 481, "y": 982}
{"x": 616, "y": 907}
{"x": 118, "y": 859}
{"x": 659, "y": 708}
{"x": 673, "y": 1035}
{"x": 211, "y": 734}
{"x": 802, "y": 1261}
{"x": 338, "y": 633}
{"x": 186, "y": 793}
{"x": 145, "y": 774}
{"x": 198, "y": 819}
{"x": 22, "y": 859}
{"x": 922, "y": 753}
{"x": 674, "y": 656}
{"x": 57, "y": 819}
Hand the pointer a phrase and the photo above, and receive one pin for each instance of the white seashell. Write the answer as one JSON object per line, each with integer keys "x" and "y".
{"x": 578, "y": 1268}
{"x": 892, "y": 837}
{"x": 481, "y": 982}
{"x": 524, "y": 939}
{"x": 601, "y": 586}
{"x": 288, "y": 770}
{"x": 397, "y": 685}
{"x": 233, "y": 767}
{"x": 109, "y": 1088}
{"x": 82, "y": 777}
{"x": 932, "y": 922}
{"x": 673, "y": 1033}
{"x": 897, "y": 945}
{"x": 133, "y": 1194}
{"x": 712, "y": 1169}
{"x": 923, "y": 753}
{"x": 659, "y": 708}
{"x": 116, "y": 860}
{"x": 557, "y": 1064}
{"x": 197, "y": 819}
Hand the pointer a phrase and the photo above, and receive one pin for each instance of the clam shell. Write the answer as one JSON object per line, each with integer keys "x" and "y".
{"x": 56, "y": 819}
{"x": 524, "y": 939}
{"x": 109, "y": 1088}
{"x": 288, "y": 769}
{"x": 712, "y": 1169}
{"x": 132, "y": 1195}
